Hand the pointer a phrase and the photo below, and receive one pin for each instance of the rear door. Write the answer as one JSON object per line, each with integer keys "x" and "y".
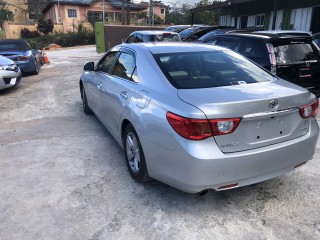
{"x": 298, "y": 61}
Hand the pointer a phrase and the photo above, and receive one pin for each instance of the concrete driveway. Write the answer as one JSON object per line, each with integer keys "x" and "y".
{"x": 62, "y": 176}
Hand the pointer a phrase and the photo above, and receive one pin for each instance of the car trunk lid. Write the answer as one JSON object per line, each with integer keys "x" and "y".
{"x": 262, "y": 122}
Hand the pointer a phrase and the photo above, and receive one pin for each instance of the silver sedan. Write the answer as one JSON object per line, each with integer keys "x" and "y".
{"x": 199, "y": 117}
{"x": 10, "y": 74}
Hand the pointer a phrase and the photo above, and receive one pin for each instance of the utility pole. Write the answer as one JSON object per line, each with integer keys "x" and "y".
{"x": 103, "y": 14}
{"x": 122, "y": 13}
{"x": 274, "y": 15}
{"x": 150, "y": 12}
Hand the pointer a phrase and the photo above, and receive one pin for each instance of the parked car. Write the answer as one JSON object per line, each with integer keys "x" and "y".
{"x": 199, "y": 117}
{"x": 28, "y": 60}
{"x": 193, "y": 33}
{"x": 10, "y": 74}
{"x": 180, "y": 28}
{"x": 293, "y": 58}
{"x": 316, "y": 39}
{"x": 210, "y": 35}
{"x": 153, "y": 36}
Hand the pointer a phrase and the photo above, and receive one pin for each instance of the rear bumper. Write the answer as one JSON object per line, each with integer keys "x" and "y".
{"x": 195, "y": 166}
{"x": 26, "y": 66}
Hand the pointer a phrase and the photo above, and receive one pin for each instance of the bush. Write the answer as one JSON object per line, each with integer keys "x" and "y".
{"x": 64, "y": 40}
{"x": 26, "y": 33}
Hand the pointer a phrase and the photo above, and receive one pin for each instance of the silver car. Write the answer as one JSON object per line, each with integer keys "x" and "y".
{"x": 10, "y": 74}
{"x": 199, "y": 117}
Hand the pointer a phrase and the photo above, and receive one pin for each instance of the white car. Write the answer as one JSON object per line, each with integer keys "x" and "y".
{"x": 10, "y": 74}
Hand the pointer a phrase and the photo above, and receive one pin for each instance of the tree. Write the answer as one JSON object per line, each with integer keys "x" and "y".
{"x": 35, "y": 7}
{"x": 5, "y": 14}
{"x": 45, "y": 25}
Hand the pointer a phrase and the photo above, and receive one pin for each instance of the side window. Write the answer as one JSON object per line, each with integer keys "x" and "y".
{"x": 124, "y": 67}
{"x": 228, "y": 43}
{"x": 139, "y": 38}
{"x": 211, "y": 40}
{"x": 252, "y": 48}
{"x": 106, "y": 63}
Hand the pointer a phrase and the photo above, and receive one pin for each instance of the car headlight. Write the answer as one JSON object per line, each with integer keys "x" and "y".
{"x": 11, "y": 67}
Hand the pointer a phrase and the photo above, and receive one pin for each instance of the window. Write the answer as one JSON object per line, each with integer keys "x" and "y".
{"x": 72, "y": 13}
{"x": 162, "y": 12}
{"x": 209, "y": 69}
{"x": 106, "y": 63}
{"x": 124, "y": 66}
{"x": 260, "y": 20}
{"x": 230, "y": 43}
{"x": 294, "y": 52}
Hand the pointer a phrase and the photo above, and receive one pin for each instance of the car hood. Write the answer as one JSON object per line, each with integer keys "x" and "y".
{"x": 239, "y": 100}
{"x": 5, "y": 61}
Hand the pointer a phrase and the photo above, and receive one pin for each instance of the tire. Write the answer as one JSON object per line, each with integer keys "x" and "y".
{"x": 37, "y": 69}
{"x": 85, "y": 105}
{"x": 134, "y": 155}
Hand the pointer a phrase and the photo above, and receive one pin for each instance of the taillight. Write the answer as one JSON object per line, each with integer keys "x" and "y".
{"x": 224, "y": 126}
{"x": 200, "y": 129}
{"x": 309, "y": 110}
{"x": 22, "y": 58}
{"x": 272, "y": 58}
{"x": 193, "y": 129}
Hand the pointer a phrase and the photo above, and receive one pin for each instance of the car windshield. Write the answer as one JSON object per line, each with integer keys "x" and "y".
{"x": 209, "y": 69}
{"x": 12, "y": 47}
{"x": 295, "y": 52}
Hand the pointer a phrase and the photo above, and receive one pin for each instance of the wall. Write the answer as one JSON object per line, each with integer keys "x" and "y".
{"x": 13, "y": 31}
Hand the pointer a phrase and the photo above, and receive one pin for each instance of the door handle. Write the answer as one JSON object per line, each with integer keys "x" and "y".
{"x": 124, "y": 95}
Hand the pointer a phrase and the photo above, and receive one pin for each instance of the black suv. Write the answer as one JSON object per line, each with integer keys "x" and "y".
{"x": 293, "y": 58}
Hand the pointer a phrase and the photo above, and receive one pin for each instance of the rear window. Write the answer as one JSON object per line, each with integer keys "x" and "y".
{"x": 187, "y": 32}
{"x": 294, "y": 52}
{"x": 13, "y": 47}
{"x": 209, "y": 69}
{"x": 167, "y": 37}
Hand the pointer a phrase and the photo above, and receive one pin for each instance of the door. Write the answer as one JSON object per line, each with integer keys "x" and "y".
{"x": 98, "y": 76}
{"x": 117, "y": 91}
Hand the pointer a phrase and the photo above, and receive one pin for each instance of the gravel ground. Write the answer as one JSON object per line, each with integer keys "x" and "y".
{"x": 62, "y": 176}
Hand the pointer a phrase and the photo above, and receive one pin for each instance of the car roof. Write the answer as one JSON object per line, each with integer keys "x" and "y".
{"x": 171, "y": 47}
{"x": 284, "y": 32}
{"x": 154, "y": 32}
{"x": 265, "y": 35}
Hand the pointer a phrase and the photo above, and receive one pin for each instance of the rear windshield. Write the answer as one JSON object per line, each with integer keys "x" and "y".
{"x": 185, "y": 33}
{"x": 209, "y": 69}
{"x": 294, "y": 52}
{"x": 13, "y": 47}
{"x": 167, "y": 38}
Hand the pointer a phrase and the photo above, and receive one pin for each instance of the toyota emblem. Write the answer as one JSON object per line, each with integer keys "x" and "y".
{"x": 274, "y": 104}
{"x": 307, "y": 64}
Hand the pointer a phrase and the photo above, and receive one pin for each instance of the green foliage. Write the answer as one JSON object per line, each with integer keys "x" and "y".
{"x": 5, "y": 14}
{"x": 183, "y": 15}
{"x": 158, "y": 20}
{"x": 64, "y": 40}
{"x": 142, "y": 15}
{"x": 26, "y": 33}
{"x": 45, "y": 25}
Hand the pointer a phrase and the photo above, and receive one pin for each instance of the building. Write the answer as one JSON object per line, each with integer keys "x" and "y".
{"x": 19, "y": 10}
{"x": 290, "y": 14}
{"x": 68, "y": 14}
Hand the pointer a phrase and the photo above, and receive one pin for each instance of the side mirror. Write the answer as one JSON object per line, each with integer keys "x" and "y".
{"x": 89, "y": 66}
